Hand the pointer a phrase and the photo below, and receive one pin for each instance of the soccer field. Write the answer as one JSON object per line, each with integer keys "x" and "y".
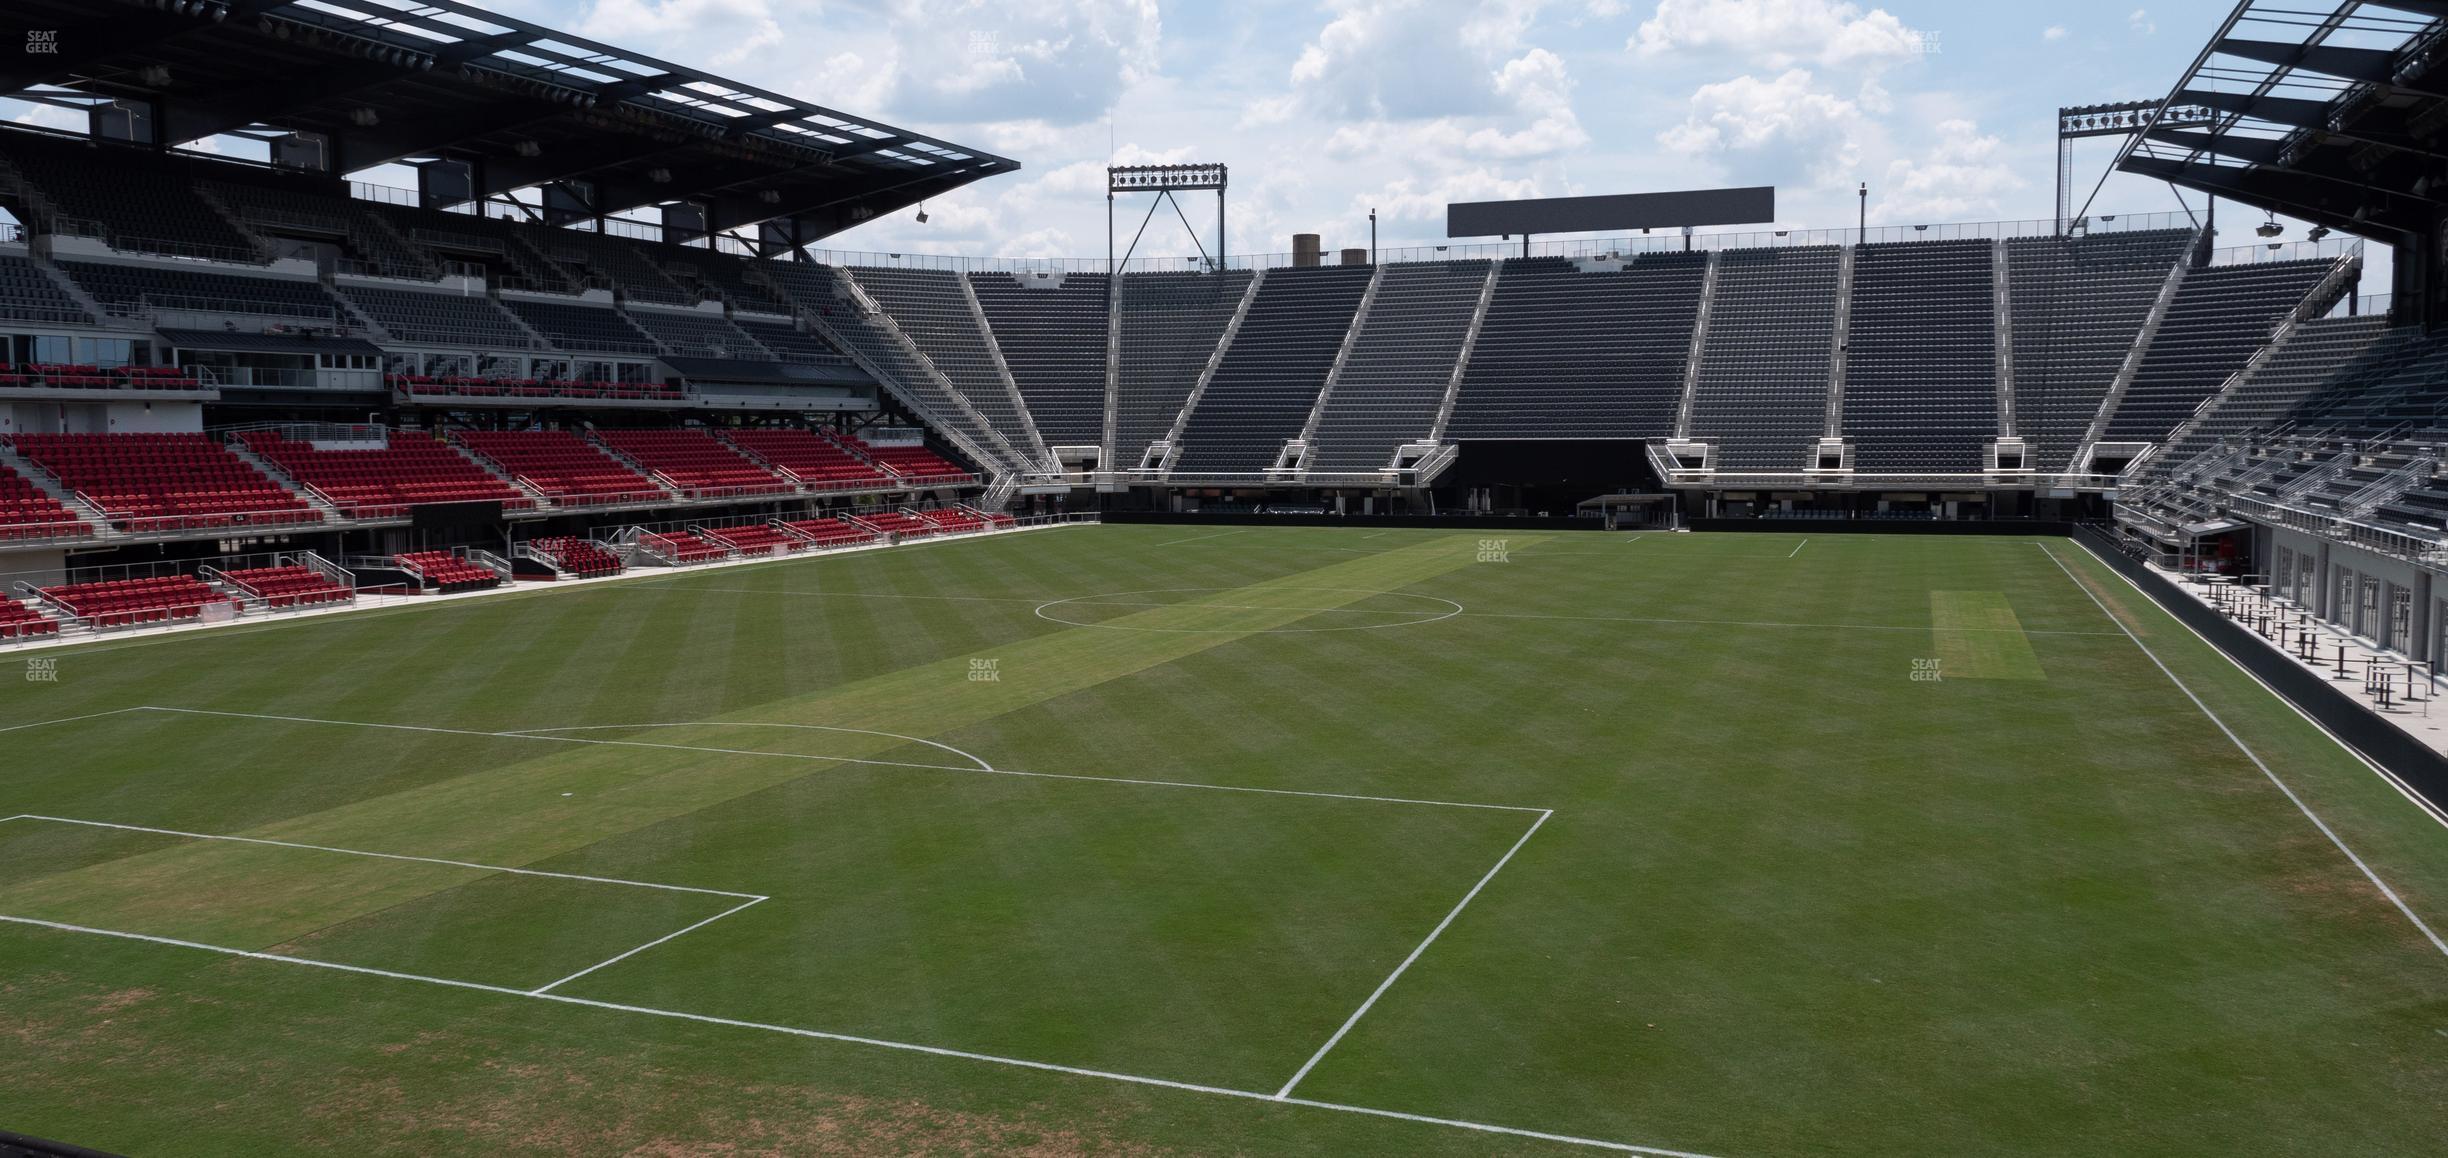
{"x": 1178, "y": 839}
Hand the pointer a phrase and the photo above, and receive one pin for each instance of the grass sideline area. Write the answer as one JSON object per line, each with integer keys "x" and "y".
{"x": 1099, "y": 840}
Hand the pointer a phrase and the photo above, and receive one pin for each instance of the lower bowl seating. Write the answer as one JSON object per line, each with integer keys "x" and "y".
{"x": 290, "y": 586}
{"x": 683, "y": 547}
{"x": 136, "y": 602}
{"x": 832, "y": 532}
{"x": 446, "y": 572}
{"x": 18, "y": 621}
{"x": 584, "y": 558}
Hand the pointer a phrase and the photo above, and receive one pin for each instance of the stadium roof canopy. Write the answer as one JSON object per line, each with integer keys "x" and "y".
{"x": 2327, "y": 111}
{"x": 413, "y": 80}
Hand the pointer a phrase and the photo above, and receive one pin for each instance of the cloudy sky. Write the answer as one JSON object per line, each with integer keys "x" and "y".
{"x": 1325, "y": 109}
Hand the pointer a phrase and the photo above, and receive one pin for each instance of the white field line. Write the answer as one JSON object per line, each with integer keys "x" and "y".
{"x": 910, "y": 1047}
{"x": 492, "y": 868}
{"x": 1798, "y": 548}
{"x": 2429, "y": 809}
{"x": 851, "y": 760}
{"x": 2253, "y": 756}
{"x": 1203, "y": 538}
{"x": 69, "y": 720}
{"x": 1922, "y": 627}
{"x": 1416, "y": 950}
{"x": 1095, "y": 601}
{"x": 676, "y": 581}
{"x": 671, "y": 936}
{"x": 980, "y": 761}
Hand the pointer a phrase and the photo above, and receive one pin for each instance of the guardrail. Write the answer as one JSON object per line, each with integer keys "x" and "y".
{"x": 14, "y": 536}
{"x": 1567, "y": 247}
{"x": 271, "y": 522}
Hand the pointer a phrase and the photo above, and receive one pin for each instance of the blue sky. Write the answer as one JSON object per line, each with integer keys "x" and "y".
{"x": 1326, "y": 109}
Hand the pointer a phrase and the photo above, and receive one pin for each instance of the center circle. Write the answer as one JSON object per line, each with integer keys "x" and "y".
{"x": 1414, "y": 610}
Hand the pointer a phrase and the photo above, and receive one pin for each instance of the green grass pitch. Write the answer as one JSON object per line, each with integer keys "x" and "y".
{"x": 1098, "y": 839}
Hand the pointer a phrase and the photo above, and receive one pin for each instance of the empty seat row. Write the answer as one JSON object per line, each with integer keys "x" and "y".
{"x": 695, "y": 462}
{"x": 88, "y": 377}
{"x": 18, "y": 621}
{"x": 896, "y": 523}
{"x": 1170, "y": 325}
{"x": 698, "y": 333}
{"x": 164, "y": 482}
{"x": 1766, "y": 363}
{"x": 1401, "y": 363}
{"x": 683, "y": 547}
{"x": 1051, "y": 329}
{"x": 813, "y": 459}
{"x": 826, "y": 294}
{"x": 1920, "y": 390}
{"x": 579, "y": 327}
{"x": 933, "y": 310}
{"x": 913, "y": 462}
{"x": 2220, "y": 316}
{"x": 563, "y": 467}
{"x": 436, "y": 318}
{"x": 460, "y": 386}
{"x": 832, "y": 532}
{"x": 446, "y": 572}
{"x": 1268, "y": 381}
{"x": 28, "y": 513}
{"x": 584, "y": 558}
{"x": 2077, "y": 305}
{"x": 134, "y": 602}
{"x": 27, "y": 293}
{"x": 144, "y": 290}
{"x": 290, "y": 586}
{"x": 753, "y": 539}
{"x": 385, "y": 479}
{"x": 1582, "y": 349}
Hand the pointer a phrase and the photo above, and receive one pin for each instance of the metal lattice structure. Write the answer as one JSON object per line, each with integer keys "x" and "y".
{"x": 2333, "y": 113}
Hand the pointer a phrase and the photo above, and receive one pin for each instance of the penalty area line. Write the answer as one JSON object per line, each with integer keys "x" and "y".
{"x": 1416, "y": 951}
{"x": 2251, "y": 755}
{"x": 671, "y": 936}
{"x": 490, "y": 868}
{"x": 70, "y": 719}
{"x": 852, "y": 1039}
{"x": 751, "y": 752}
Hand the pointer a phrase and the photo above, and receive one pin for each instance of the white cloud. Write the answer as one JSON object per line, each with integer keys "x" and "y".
{"x": 1405, "y": 60}
{"x": 719, "y": 32}
{"x": 1064, "y": 63}
{"x": 1768, "y": 131}
{"x": 1778, "y": 33}
{"x": 1964, "y": 177}
{"x": 2141, "y": 22}
{"x": 1423, "y": 199}
{"x": 2053, "y": 32}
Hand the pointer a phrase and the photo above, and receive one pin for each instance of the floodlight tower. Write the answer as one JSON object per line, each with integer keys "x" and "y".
{"x": 2121, "y": 119}
{"x": 1163, "y": 181}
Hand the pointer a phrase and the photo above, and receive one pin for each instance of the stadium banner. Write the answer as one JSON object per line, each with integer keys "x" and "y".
{"x": 1751, "y": 205}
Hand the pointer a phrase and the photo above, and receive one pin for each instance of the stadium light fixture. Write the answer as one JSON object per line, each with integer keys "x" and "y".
{"x": 2270, "y": 228}
{"x": 922, "y": 216}
{"x": 2318, "y": 233}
